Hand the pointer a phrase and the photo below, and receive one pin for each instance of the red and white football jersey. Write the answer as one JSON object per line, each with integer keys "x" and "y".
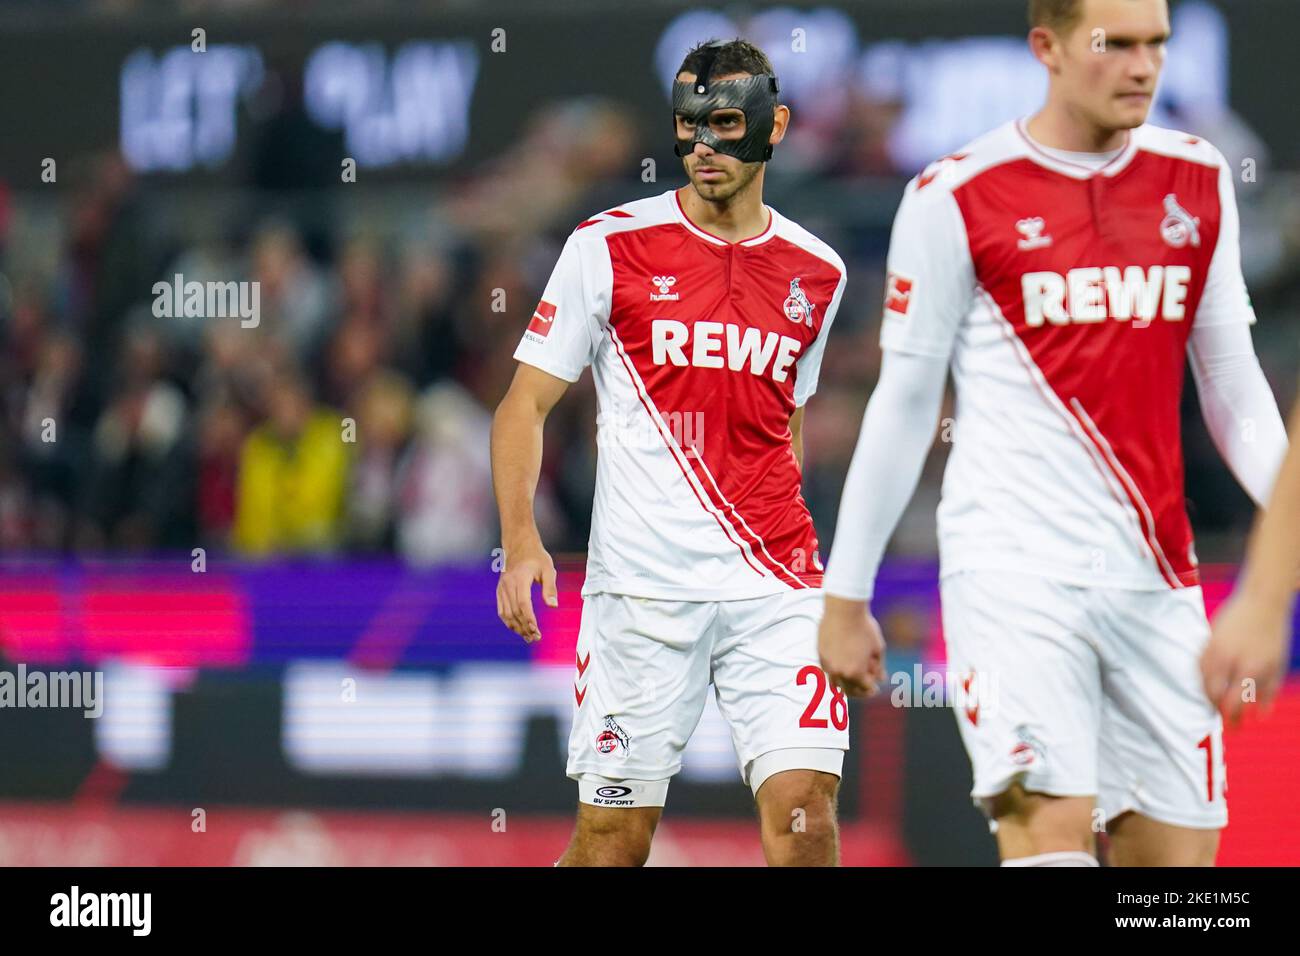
{"x": 701, "y": 351}
{"x": 1064, "y": 297}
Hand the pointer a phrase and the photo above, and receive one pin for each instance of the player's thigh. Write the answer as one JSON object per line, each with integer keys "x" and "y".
{"x": 1161, "y": 751}
{"x": 783, "y": 713}
{"x": 1137, "y": 840}
{"x": 605, "y": 836}
{"x": 628, "y": 825}
{"x": 640, "y": 680}
{"x": 1029, "y": 824}
{"x": 1026, "y": 686}
{"x": 798, "y": 798}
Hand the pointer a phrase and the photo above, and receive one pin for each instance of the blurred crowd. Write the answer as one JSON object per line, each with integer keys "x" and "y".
{"x": 354, "y": 418}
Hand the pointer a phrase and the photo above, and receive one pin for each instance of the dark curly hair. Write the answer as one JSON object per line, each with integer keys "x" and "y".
{"x": 734, "y": 56}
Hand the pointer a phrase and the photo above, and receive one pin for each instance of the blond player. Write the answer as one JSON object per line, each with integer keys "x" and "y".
{"x": 1065, "y": 267}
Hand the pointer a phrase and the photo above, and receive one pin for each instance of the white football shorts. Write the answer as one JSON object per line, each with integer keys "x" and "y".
{"x": 1085, "y": 691}
{"x": 644, "y": 667}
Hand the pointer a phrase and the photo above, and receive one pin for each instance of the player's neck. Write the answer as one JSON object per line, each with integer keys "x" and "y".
{"x": 1057, "y": 127}
{"x": 742, "y": 217}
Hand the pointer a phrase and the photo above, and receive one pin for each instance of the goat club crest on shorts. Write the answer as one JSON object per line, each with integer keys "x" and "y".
{"x": 612, "y": 737}
{"x": 1027, "y": 749}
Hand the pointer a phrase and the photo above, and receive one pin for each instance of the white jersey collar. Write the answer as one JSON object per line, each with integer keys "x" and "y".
{"x": 762, "y": 237}
{"x": 1040, "y": 156}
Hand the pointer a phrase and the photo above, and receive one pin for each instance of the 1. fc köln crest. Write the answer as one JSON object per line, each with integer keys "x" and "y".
{"x": 796, "y": 306}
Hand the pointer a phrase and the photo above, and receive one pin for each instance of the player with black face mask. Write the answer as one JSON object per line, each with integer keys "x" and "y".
{"x": 704, "y": 314}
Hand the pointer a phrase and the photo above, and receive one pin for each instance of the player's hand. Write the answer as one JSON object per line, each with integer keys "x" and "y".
{"x": 851, "y": 647}
{"x": 1249, "y": 640}
{"x": 525, "y": 565}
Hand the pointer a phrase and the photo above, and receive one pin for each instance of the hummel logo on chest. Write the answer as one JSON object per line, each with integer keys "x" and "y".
{"x": 664, "y": 284}
{"x": 1032, "y": 232}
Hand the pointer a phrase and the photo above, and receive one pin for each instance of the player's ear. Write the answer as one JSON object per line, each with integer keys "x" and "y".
{"x": 780, "y": 122}
{"x": 1043, "y": 45}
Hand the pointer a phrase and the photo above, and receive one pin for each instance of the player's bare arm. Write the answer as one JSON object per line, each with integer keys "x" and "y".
{"x": 796, "y": 435}
{"x": 516, "y": 464}
{"x": 1251, "y": 635}
{"x": 897, "y": 432}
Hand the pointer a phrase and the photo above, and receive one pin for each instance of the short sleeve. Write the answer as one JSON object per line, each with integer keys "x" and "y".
{"x": 931, "y": 279}
{"x": 1225, "y": 300}
{"x": 566, "y": 327}
{"x": 810, "y": 362}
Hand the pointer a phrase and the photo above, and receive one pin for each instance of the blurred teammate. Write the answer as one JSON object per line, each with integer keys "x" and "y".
{"x": 1065, "y": 267}
{"x": 1251, "y": 637}
{"x": 704, "y": 314}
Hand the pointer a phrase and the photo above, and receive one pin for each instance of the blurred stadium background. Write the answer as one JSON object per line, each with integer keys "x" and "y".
{"x": 396, "y": 301}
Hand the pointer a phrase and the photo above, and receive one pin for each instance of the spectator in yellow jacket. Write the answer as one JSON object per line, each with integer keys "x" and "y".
{"x": 293, "y": 474}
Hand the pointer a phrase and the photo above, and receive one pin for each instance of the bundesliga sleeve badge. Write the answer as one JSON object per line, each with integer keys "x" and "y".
{"x": 898, "y": 294}
{"x": 543, "y": 318}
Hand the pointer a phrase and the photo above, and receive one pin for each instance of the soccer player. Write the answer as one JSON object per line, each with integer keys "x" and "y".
{"x": 1064, "y": 267}
{"x": 1251, "y": 634}
{"x": 704, "y": 314}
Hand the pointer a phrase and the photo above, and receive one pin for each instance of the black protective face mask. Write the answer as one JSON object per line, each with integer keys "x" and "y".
{"x": 755, "y": 96}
